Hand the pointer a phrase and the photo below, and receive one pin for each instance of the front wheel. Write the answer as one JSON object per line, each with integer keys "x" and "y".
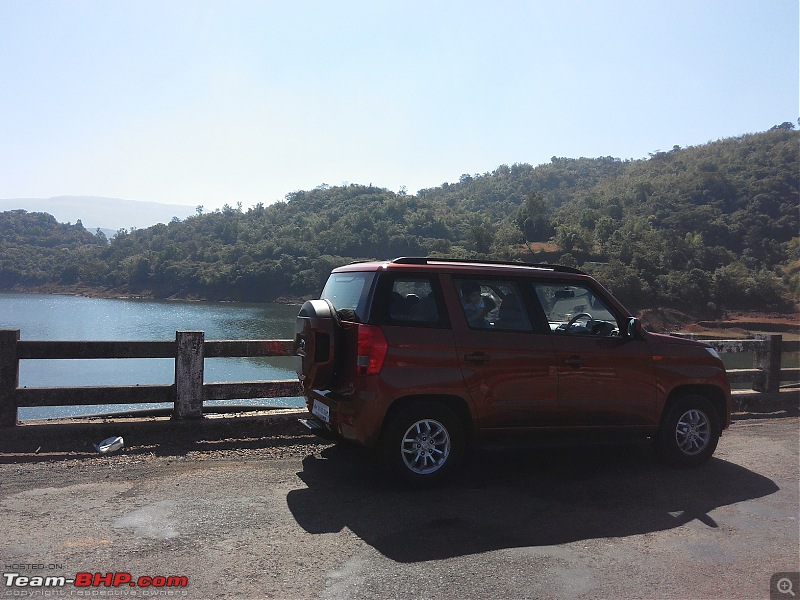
{"x": 690, "y": 432}
{"x": 423, "y": 443}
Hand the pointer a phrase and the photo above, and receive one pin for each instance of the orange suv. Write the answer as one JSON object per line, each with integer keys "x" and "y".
{"x": 418, "y": 357}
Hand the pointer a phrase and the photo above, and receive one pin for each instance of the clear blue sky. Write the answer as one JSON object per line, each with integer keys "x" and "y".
{"x": 208, "y": 102}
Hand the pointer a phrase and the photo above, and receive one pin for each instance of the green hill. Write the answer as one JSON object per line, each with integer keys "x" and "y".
{"x": 701, "y": 228}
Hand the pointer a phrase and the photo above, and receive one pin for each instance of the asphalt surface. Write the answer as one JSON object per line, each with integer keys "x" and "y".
{"x": 272, "y": 512}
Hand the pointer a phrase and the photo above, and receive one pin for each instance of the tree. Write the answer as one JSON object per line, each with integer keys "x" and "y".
{"x": 533, "y": 220}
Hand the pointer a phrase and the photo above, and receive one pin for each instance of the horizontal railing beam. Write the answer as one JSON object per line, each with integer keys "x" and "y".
{"x": 748, "y": 375}
{"x": 735, "y": 346}
{"x": 746, "y": 345}
{"x": 790, "y": 374}
{"x": 141, "y": 394}
{"x": 248, "y": 348}
{"x": 744, "y": 375}
{"x": 252, "y": 389}
{"x": 146, "y": 349}
{"x": 790, "y": 346}
{"x": 71, "y": 396}
{"x": 91, "y": 350}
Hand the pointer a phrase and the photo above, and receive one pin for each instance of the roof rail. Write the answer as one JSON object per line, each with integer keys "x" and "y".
{"x": 424, "y": 260}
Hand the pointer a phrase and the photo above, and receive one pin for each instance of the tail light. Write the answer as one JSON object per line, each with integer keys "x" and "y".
{"x": 372, "y": 349}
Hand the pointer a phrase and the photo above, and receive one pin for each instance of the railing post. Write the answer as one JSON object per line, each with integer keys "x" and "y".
{"x": 768, "y": 359}
{"x": 9, "y": 377}
{"x": 189, "y": 360}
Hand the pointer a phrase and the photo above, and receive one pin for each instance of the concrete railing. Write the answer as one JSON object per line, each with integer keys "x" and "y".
{"x": 189, "y": 350}
{"x": 187, "y": 392}
{"x": 765, "y": 395}
{"x": 766, "y": 374}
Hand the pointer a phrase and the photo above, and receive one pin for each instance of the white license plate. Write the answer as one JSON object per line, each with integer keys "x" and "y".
{"x": 321, "y": 410}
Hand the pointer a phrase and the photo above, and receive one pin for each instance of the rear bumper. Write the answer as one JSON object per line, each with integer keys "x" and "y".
{"x": 357, "y": 418}
{"x": 318, "y": 428}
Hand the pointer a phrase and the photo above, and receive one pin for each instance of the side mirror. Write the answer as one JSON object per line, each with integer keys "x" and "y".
{"x": 634, "y": 326}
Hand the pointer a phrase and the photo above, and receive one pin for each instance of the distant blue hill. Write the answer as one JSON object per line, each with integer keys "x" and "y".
{"x": 107, "y": 214}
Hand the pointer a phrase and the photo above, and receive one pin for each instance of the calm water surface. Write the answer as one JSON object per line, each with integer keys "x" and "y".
{"x": 54, "y": 317}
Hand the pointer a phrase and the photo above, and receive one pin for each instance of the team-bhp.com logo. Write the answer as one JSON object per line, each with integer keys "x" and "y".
{"x": 95, "y": 580}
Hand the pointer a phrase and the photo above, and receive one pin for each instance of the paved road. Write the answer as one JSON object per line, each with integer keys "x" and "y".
{"x": 321, "y": 521}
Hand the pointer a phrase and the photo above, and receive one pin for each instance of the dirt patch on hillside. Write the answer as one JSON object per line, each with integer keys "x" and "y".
{"x": 664, "y": 320}
{"x": 789, "y": 323}
{"x": 735, "y": 324}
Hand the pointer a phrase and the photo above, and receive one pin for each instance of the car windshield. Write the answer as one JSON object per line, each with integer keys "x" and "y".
{"x": 349, "y": 290}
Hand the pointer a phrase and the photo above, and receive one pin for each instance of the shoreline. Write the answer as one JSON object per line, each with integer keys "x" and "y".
{"x": 84, "y": 291}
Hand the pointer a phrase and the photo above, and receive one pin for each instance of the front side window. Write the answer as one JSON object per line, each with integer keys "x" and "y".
{"x": 575, "y": 310}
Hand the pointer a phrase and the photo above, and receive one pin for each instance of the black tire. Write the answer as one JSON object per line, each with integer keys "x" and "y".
{"x": 423, "y": 443}
{"x": 689, "y": 432}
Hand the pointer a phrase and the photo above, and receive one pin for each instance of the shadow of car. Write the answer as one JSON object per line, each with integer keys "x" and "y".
{"x": 514, "y": 496}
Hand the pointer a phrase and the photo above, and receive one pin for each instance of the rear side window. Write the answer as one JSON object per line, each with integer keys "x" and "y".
{"x": 410, "y": 301}
{"x": 493, "y": 304}
{"x": 349, "y": 290}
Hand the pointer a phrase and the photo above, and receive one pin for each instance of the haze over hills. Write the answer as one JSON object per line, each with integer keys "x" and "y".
{"x": 107, "y": 214}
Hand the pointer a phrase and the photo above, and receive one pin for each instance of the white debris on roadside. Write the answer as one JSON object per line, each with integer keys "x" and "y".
{"x": 111, "y": 444}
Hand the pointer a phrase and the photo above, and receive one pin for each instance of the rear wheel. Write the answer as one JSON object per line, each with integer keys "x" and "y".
{"x": 690, "y": 432}
{"x": 423, "y": 443}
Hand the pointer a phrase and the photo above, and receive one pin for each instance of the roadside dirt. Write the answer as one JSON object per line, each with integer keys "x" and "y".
{"x": 273, "y": 434}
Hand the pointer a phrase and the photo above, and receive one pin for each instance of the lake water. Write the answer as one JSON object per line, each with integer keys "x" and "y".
{"x": 56, "y": 317}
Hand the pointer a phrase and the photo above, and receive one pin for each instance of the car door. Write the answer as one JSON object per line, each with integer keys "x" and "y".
{"x": 604, "y": 378}
{"x": 508, "y": 364}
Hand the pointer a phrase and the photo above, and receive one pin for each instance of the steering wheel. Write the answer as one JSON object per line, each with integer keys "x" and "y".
{"x": 573, "y": 320}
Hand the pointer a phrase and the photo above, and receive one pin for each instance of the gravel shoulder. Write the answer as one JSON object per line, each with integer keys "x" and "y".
{"x": 267, "y": 434}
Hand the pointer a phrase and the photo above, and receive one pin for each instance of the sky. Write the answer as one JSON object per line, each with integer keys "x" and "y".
{"x": 208, "y": 102}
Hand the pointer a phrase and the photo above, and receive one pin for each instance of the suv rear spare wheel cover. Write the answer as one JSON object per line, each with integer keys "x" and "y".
{"x": 316, "y": 335}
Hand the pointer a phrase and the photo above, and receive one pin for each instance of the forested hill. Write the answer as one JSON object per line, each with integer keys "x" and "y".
{"x": 701, "y": 228}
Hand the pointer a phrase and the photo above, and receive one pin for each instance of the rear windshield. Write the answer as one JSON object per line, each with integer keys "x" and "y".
{"x": 349, "y": 290}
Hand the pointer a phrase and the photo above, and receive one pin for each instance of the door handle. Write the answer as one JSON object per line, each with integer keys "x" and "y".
{"x": 479, "y": 358}
{"x": 576, "y": 362}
